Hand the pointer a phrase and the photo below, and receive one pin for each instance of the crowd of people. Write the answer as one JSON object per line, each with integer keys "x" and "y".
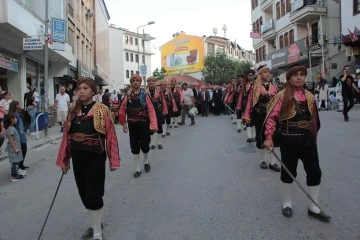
{"x": 284, "y": 117}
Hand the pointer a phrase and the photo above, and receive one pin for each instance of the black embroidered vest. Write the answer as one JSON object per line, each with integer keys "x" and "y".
{"x": 301, "y": 123}
{"x": 136, "y": 111}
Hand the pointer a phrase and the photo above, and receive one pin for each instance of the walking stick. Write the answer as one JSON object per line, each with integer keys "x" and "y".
{"x": 296, "y": 181}
{"x": 52, "y": 203}
{"x": 233, "y": 112}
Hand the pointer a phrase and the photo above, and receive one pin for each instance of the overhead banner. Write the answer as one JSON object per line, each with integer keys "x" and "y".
{"x": 183, "y": 54}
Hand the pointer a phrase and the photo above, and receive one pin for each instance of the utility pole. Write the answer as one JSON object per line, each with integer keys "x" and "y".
{"x": 46, "y": 67}
{"x": 144, "y": 57}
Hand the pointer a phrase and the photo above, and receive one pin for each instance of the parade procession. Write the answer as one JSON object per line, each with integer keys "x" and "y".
{"x": 119, "y": 128}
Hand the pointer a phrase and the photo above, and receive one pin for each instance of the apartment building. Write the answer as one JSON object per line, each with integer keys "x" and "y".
{"x": 22, "y": 64}
{"x": 130, "y": 54}
{"x": 287, "y": 32}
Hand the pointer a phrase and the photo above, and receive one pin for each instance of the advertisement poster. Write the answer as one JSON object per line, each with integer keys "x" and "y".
{"x": 183, "y": 54}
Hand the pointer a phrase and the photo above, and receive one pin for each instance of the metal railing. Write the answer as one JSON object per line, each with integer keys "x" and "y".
{"x": 299, "y": 4}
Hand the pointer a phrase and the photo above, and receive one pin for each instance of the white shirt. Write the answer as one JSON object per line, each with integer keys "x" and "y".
{"x": 210, "y": 95}
{"x": 62, "y": 102}
{"x": 188, "y": 94}
{"x": 113, "y": 96}
{"x": 36, "y": 96}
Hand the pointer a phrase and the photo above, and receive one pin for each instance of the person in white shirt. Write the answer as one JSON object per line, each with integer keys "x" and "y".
{"x": 187, "y": 103}
{"x": 113, "y": 96}
{"x": 62, "y": 105}
{"x": 37, "y": 98}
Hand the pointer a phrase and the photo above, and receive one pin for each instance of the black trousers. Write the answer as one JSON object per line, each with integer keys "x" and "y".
{"x": 168, "y": 118}
{"x": 258, "y": 121}
{"x": 348, "y": 103}
{"x": 160, "y": 122}
{"x": 139, "y": 133}
{"x": 204, "y": 108}
{"x": 89, "y": 172}
{"x": 23, "y": 151}
{"x": 238, "y": 114}
{"x": 292, "y": 149}
{"x": 217, "y": 108}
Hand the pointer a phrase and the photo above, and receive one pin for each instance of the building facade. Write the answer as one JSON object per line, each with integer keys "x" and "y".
{"x": 287, "y": 32}
{"x": 185, "y": 54}
{"x": 130, "y": 52}
{"x": 23, "y": 22}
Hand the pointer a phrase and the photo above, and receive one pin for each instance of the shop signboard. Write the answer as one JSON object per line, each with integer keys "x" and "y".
{"x": 58, "y": 30}
{"x": 8, "y": 64}
{"x": 255, "y": 35}
{"x": 32, "y": 43}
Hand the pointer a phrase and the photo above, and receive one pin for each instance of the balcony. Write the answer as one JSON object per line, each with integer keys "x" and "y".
{"x": 265, "y": 5}
{"x": 268, "y": 30}
{"x": 303, "y": 11}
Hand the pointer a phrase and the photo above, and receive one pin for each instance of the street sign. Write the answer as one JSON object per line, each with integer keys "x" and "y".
{"x": 32, "y": 44}
{"x": 143, "y": 70}
{"x": 59, "y": 30}
{"x": 255, "y": 35}
{"x": 315, "y": 47}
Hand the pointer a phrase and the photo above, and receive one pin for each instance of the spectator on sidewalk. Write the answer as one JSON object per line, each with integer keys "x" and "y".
{"x": 323, "y": 89}
{"x": 187, "y": 103}
{"x": 69, "y": 91}
{"x": 4, "y": 105}
{"x": 62, "y": 105}
{"x": 106, "y": 98}
{"x": 13, "y": 148}
{"x": 15, "y": 108}
{"x": 31, "y": 109}
{"x": 348, "y": 87}
{"x": 37, "y": 99}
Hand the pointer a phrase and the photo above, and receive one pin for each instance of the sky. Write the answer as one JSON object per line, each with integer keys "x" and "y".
{"x": 191, "y": 16}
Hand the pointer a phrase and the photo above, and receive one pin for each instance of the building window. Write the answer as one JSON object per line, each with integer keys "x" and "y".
{"x": 264, "y": 54}
{"x": 288, "y": 6}
{"x": 126, "y": 40}
{"x": 127, "y": 74}
{"x": 132, "y": 72}
{"x": 71, "y": 39}
{"x": 211, "y": 48}
{"x": 131, "y": 41}
{"x": 253, "y": 27}
{"x": 282, "y": 8}
{"x": 356, "y": 7}
{"x": 281, "y": 40}
{"x": 257, "y": 55}
{"x": 277, "y": 10}
{"x": 136, "y": 41}
{"x": 127, "y": 57}
{"x": 257, "y": 26}
{"x": 70, "y": 8}
{"x": 136, "y": 58}
{"x": 286, "y": 39}
{"x": 131, "y": 57}
{"x": 291, "y": 36}
{"x": 314, "y": 33}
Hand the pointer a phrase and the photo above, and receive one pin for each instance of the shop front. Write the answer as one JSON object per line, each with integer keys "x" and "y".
{"x": 9, "y": 69}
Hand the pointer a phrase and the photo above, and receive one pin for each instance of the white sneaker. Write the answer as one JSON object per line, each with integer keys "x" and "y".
{"x": 22, "y": 172}
{"x": 33, "y": 134}
{"x": 16, "y": 178}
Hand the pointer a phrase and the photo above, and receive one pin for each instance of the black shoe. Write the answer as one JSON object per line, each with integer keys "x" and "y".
{"x": 239, "y": 130}
{"x": 137, "y": 174}
{"x": 147, "y": 167}
{"x": 263, "y": 165}
{"x": 321, "y": 216}
{"x": 23, "y": 167}
{"x": 249, "y": 140}
{"x": 167, "y": 134}
{"x": 175, "y": 126}
{"x": 274, "y": 167}
{"x": 163, "y": 136}
{"x": 152, "y": 147}
{"x": 170, "y": 126}
{"x": 181, "y": 123}
{"x": 253, "y": 140}
{"x": 234, "y": 122}
{"x": 287, "y": 212}
{"x": 206, "y": 115}
{"x": 62, "y": 129}
{"x": 245, "y": 128}
{"x": 191, "y": 124}
{"x": 160, "y": 146}
{"x": 88, "y": 234}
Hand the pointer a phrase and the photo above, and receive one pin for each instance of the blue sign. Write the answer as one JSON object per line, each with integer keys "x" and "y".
{"x": 143, "y": 70}
{"x": 58, "y": 30}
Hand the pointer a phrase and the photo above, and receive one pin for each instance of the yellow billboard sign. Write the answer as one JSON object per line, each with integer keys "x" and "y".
{"x": 183, "y": 54}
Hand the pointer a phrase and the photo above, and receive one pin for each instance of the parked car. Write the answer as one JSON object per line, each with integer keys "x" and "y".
{"x": 337, "y": 90}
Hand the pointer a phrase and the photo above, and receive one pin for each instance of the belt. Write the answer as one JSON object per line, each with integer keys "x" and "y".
{"x": 300, "y": 124}
{"x": 80, "y": 137}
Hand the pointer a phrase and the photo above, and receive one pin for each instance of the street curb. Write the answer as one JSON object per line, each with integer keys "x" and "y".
{"x": 37, "y": 145}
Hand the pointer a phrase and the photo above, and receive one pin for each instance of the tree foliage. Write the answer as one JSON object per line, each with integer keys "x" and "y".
{"x": 159, "y": 74}
{"x": 219, "y": 69}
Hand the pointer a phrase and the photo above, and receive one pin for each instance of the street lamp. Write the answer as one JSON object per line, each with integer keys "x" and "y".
{"x": 137, "y": 33}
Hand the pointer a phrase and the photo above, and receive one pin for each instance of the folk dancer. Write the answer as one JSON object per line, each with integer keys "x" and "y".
{"x": 177, "y": 94}
{"x": 241, "y": 104}
{"x": 159, "y": 103}
{"x": 138, "y": 117}
{"x": 231, "y": 99}
{"x": 260, "y": 94}
{"x": 171, "y": 106}
{"x": 87, "y": 130}
{"x": 294, "y": 108}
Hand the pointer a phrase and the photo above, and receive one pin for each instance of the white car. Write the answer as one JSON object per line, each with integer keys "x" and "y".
{"x": 337, "y": 90}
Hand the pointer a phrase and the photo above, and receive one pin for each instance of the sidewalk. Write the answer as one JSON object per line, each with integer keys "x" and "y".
{"x": 32, "y": 143}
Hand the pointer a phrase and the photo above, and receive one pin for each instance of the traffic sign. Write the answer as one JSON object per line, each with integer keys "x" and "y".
{"x": 143, "y": 70}
{"x": 59, "y": 30}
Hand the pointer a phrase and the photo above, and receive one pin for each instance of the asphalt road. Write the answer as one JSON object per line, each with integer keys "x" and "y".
{"x": 205, "y": 184}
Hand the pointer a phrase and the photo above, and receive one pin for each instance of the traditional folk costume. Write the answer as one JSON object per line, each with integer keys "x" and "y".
{"x": 298, "y": 124}
{"x": 241, "y": 106}
{"x": 178, "y": 97}
{"x": 141, "y": 118}
{"x": 86, "y": 133}
{"x": 171, "y": 107}
{"x": 255, "y": 112}
{"x": 159, "y": 102}
{"x": 231, "y": 99}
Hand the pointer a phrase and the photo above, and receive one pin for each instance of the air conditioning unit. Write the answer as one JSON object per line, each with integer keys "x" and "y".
{"x": 89, "y": 13}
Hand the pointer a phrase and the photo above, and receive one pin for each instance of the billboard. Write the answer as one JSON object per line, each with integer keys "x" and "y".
{"x": 183, "y": 54}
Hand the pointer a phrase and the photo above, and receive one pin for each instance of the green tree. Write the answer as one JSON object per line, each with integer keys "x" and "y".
{"x": 159, "y": 74}
{"x": 241, "y": 67}
{"x": 218, "y": 69}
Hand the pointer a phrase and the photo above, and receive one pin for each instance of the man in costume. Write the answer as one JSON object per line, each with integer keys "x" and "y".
{"x": 231, "y": 100}
{"x": 260, "y": 94}
{"x": 177, "y": 94}
{"x": 294, "y": 109}
{"x": 171, "y": 106}
{"x": 159, "y": 103}
{"x": 241, "y": 104}
{"x": 137, "y": 115}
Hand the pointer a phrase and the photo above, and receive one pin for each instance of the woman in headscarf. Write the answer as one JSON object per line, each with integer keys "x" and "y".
{"x": 323, "y": 89}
